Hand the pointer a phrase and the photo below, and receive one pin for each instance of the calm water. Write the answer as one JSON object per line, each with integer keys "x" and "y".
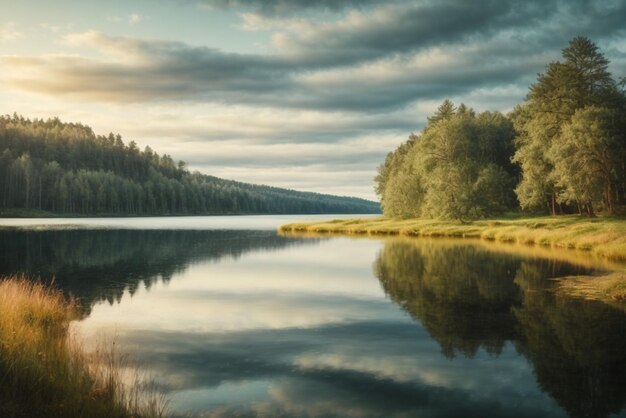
{"x": 234, "y": 320}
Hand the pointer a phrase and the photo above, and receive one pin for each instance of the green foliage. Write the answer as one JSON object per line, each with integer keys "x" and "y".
{"x": 66, "y": 168}
{"x": 565, "y": 146}
{"x": 454, "y": 169}
{"x": 552, "y": 170}
{"x": 444, "y": 112}
{"x": 587, "y": 156}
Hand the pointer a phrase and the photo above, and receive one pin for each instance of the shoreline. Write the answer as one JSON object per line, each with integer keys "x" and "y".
{"x": 601, "y": 237}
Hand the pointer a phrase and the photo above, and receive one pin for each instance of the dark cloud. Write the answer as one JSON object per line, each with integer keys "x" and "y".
{"x": 367, "y": 62}
{"x": 175, "y": 71}
{"x": 408, "y": 28}
{"x": 288, "y": 7}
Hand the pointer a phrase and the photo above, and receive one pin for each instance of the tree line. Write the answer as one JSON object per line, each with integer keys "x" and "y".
{"x": 563, "y": 150}
{"x": 66, "y": 168}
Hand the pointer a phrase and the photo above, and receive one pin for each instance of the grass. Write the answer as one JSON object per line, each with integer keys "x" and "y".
{"x": 610, "y": 288}
{"x": 602, "y": 237}
{"x": 45, "y": 372}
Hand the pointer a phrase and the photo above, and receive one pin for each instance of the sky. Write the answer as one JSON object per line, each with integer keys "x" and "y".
{"x": 303, "y": 94}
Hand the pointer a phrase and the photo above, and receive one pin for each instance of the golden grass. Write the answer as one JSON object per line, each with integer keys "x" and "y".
{"x": 44, "y": 372}
{"x": 602, "y": 237}
{"x": 610, "y": 288}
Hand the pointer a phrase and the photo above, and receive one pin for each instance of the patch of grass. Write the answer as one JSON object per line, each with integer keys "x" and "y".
{"x": 616, "y": 289}
{"x": 610, "y": 288}
{"x": 44, "y": 372}
{"x": 603, "y": 237}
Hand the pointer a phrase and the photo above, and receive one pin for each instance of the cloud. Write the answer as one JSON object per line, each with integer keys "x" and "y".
{"x": 374, "y": 61}
{"x": 9, "y": 33}
{"x": 131, "y": 19}
{"x": 288, "y": 7}
{"x": 134, "y": 18}
{"x": 131, "y": 70}
{"x": 368, "y": 368}
{"x": 390, "y": 30}
{"x": 338, "y": 85}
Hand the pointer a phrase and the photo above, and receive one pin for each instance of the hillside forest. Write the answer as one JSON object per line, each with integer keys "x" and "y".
{"x": 65, "y": 168}
{"x": 561, "y": 151}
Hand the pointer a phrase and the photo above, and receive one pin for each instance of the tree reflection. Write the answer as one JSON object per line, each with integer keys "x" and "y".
{"x": 462, "y": 295}
{"x": 575, "y": 346}
{"x": 467, "y": 298}
{"x": 96, "y": 265}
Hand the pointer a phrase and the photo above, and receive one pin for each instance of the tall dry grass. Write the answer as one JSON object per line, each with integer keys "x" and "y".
{"x": 46, "y": 372}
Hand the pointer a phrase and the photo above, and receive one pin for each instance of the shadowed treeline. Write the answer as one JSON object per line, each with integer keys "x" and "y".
{"x": 468, "y": 298}
{"x": 65, "y": 168}
{"x": 96, "y": 265}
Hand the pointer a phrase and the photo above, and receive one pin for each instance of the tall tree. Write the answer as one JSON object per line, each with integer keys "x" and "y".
{"x": 444, "y": 112}
{"x": 582, "y": 79}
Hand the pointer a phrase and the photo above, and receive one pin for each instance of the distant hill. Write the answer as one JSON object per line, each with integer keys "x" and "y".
{"x": 66, "y": 168}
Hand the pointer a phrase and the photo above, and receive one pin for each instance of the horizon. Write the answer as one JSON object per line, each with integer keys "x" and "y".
{"x": 308, "y": 96}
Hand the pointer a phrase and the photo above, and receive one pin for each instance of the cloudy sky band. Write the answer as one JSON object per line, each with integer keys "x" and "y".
{"x": 328, "y": 85}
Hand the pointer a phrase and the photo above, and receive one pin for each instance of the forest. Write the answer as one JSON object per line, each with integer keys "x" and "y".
{"x": 561, "y": 151}
{"x": 65, "y": 168}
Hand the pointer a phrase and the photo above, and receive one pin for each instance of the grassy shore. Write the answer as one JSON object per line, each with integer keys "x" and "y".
{"x": 44, "y": 372}
{"x": 602, "y": 237}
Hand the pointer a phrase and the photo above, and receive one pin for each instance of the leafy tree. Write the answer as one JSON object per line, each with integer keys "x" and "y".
{"x": 388, "y": 173}
{"x": 444, "y": 112}
{"x": 581, "y": 80}
{"x": 587, "y": 157}
{"x": 459, "y": 168}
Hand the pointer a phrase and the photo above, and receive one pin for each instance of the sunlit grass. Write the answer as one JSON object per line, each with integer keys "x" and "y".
{"x": 44, "y": 372}
{"x": 604, "y": 237}
{"x": 610, "y": 288}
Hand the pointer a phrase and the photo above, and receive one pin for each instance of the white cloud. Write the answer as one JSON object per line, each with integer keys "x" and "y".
{"x": 131, "y": 19}
{"x": 9, "y": 33}
{"x": 134, "y": 18}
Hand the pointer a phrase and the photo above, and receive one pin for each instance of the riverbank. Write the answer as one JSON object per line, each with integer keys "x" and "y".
{"x": 602, "y": 237}
{"x": 44, "y": 371}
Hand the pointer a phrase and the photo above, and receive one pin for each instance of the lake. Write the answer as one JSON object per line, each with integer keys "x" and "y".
{"x": 233, "y": 319}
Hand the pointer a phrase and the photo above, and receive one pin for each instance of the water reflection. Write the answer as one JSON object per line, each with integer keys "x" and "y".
{"x": 468, "y": 298}
{"x": 101, "y": 264}
{"x": 461, "y": 294}
{"x": 577, "y": 347}
{"x": 247, "y": 323}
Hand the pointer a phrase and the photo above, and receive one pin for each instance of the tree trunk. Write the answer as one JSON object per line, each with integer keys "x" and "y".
{"x": 590, "y": 211}
{"x": 609, "y": 198}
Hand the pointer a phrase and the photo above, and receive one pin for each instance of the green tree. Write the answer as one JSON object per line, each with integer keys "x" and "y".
{"x": 581, "y": 80}
{"x": 458, "y": 167}
{"x": 587, "y": 158}
{"x": 444, "y": 112}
